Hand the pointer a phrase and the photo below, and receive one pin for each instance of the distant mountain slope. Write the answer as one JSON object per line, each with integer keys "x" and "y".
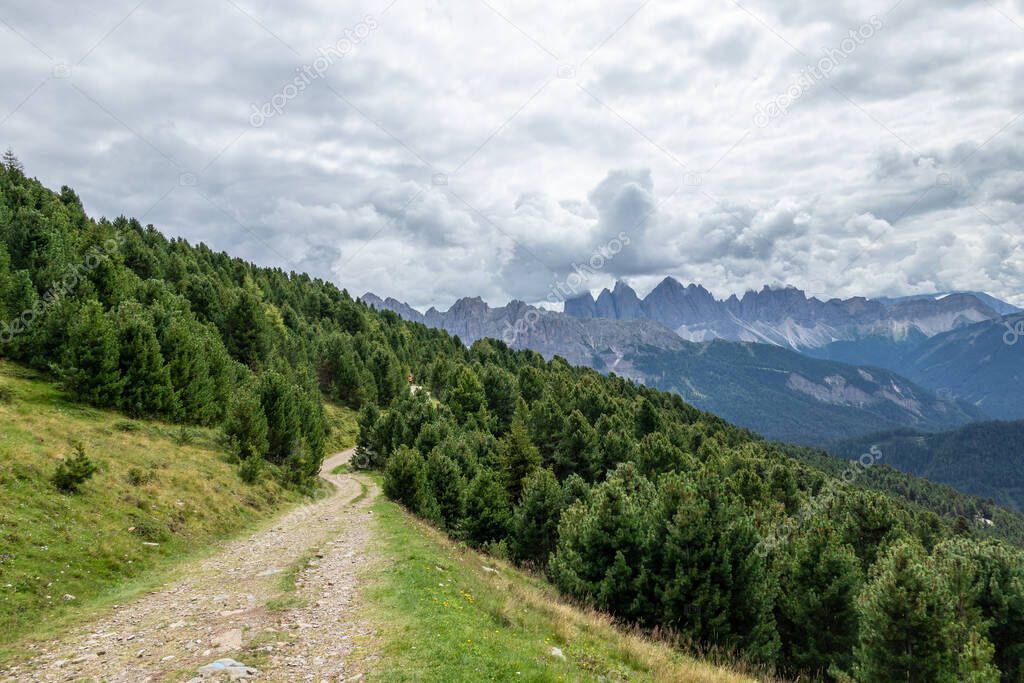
{"x": 984, "y": 459}
{"x": 982, "y": 364}
{"x": 998, "y": 305}
{"x": 784, "y": 316}
{"x": 788, "y": 396}
{"x": 581, "y": 342}
{"x": 776, "y": 392}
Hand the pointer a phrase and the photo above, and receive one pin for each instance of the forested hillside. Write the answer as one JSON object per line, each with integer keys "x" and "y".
{"x": 983, "y": 458}
{"x": 627, "y": 498}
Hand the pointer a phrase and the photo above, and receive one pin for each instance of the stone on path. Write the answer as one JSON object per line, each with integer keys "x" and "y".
{"x": 231, "y": 668}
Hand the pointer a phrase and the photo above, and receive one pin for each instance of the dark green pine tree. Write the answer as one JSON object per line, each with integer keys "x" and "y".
{"x": 604, "y": 546}
{"x": 186, "y": 349}
{"x": 147, "y": 386}
{"x": 577, "y": 449}
{"x": 245, "y": 425}
{"x": 905, "y": 616}
{"x": 18, "y": 309}
{"x": 531, "y": 383}
{"x": 502, "y": 396}
{"x": 519, "y": 457}
{"x": 819, "y": 579}
{"x": 448, "y": 488}
{"x": 405, "y": 480}
{"x": 987, "y": 582}
{"x": 89, "y": 366}
{"x": 488, "y": 510}
{"x": 467, "y": 399}
{"x": 546, "y": 424}
{"x": 284, "y": 425}
{"x": 246, "y": 328}
{"x": 648, "y": 420}
{"x": 713, "y": 586}
{"x": 534, "y": 531}
{"x": 387, "y": 375}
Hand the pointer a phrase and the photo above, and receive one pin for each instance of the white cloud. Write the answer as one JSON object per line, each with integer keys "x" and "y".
{"x": 444, "y": 156}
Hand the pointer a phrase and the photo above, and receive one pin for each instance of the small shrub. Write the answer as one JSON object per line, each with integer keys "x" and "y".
{"x": 6, "y": 394}
{"x": 138, "y": 477}
{"x": 126, "y": 426}
{"x": 184, "y": 436}
{"x": 251, "y": 469}
{"x": 72, "y": 472}
{"x": 149, "y": 529}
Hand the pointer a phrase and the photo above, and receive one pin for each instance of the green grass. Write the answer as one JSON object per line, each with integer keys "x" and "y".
{"x": 344, "y": 425}
{"x": 160, "y": 496}
{"x": 447, "y": 613}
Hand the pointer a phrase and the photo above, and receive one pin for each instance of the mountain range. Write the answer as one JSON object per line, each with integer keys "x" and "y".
{"x": 773, "y": 390}
{"x": 786, "y": 316}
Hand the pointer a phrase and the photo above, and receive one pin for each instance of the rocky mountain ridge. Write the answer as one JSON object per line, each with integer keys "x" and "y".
{"x": 784, "y": 316}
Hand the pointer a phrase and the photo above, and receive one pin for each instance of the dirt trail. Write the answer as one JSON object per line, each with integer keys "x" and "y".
{"x": 218, "y": 608}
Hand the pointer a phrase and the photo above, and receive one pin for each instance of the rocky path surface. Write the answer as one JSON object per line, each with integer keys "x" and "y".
{"x": 218, "y": 608}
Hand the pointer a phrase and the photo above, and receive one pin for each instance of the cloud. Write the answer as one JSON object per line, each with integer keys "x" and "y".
{"x": 461, "y": 148}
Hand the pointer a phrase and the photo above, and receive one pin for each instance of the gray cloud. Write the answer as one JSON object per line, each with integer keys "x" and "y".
{"x": 898, "y": 173}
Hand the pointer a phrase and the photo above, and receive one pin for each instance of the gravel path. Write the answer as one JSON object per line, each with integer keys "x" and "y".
{"x": 218, "y": 608}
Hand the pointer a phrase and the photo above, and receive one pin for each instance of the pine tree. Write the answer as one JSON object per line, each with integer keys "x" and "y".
{"x": 519, "y": 457}
{"x": 546, "y": 424}
{"x": 147, "y": 386}
{"x": 534, "y": 532}
{"x": 89, "y": 367}
{"x": 246, "y": 426}
{"x": 488, "y": 511}
{"x": 820, "y": 578}
{"x": 467, "y": 397}
{"x": 284, "y": 426}
{"x": 448, "y": 488}
{"x": 405, "y": 480}
{"x": 987, "y": 583}
{"x": 905, "y": 614}
{"x": 577, "y": 449}
{"x": 187, "y": 352}
{"x": 713, "y": 586}
{"x": 246, "y": 329}
{"x": 501, "y": 395}
{"x": 648, "y": 420}
{"x": 603, "y": 546}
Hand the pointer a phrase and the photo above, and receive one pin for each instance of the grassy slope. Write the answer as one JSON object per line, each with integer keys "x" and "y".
{"x": 155, "y": 485}
{"x": 451, "y": 614}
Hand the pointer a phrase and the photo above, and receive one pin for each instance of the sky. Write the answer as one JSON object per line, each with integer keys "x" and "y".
{"x": 430, "y": 150}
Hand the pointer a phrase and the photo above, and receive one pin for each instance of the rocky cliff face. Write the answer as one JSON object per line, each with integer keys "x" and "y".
{"x": 783, "y": 316}
{"x": 596, "y": 342}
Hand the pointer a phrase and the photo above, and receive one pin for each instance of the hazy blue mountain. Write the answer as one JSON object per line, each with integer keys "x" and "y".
{"x": 788, "y": 396}
{"x": 982, "y": 364}
{"x": 998, "y": 305}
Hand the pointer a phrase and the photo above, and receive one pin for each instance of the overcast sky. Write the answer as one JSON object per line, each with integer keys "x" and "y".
{"x": 429, "y": 150}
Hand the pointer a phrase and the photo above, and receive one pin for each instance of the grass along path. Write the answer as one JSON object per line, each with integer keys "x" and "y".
{"x": 230, "y": 605}
{"x": 162, "y": 493}
{"x": 447, "y": 613}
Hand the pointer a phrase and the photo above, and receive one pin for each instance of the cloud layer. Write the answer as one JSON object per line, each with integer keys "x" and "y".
{"x": 428, "y": 150}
